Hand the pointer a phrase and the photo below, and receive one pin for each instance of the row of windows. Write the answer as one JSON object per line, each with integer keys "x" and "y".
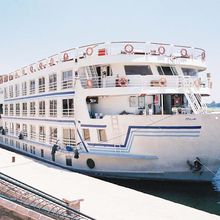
{"x": 38, "y": 133}
{"x": 32, "y": 149}
{"x": 21, "y": 109}
{"x": 22, "y": 90}
{"x": 162, "y": 70}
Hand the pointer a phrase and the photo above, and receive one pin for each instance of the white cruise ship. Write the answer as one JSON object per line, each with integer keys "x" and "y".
{"x": 118, "y": 110}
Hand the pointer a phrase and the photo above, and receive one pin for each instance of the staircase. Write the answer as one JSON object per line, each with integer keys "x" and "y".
{"x": 193, "y": 95}
{"x": 36, "y": 200}
{"x": 92, "y": 74}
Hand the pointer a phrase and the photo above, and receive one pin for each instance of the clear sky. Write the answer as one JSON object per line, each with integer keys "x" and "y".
{"x": 34, "y": 29}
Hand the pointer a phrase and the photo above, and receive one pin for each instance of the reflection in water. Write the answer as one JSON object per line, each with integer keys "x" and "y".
{"x": 203, "y": 196}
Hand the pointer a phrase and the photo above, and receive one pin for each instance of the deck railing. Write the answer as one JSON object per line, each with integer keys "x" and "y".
{"x": 124, "y": 48}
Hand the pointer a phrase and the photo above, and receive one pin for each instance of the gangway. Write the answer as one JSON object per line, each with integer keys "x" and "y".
{"x": 29, "y": 197}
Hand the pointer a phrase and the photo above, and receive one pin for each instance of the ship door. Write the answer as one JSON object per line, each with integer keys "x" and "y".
{"x": 105, "y": 72}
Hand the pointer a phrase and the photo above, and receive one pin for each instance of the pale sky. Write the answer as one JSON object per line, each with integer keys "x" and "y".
{"x": 35, "y": 29}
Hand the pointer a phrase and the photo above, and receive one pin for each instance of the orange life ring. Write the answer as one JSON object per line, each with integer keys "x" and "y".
{"x": 89, "y": 83}
{"x": 203, "y": 55}
{"x": 31, "y": 69}
{"x": 89, "y": 51}
{"x": 129, "y": 48}
{"x": 122, "y": 82}
{"x": 162, "y": 82}
{"x": 65, "y": 56}
{"x": 161, "y": 50}
{"x": 197, "y": 83}
{"x": 184, "y": 52}
{"x": 41, "y": 66}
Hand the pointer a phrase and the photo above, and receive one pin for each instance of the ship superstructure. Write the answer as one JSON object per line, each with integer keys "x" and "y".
{"x": 119, "y": 109}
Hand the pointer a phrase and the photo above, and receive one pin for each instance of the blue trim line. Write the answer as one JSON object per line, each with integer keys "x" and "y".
{"x": 93, "y": 126}
{"x": 39, "y": 119}
{"x": 42, "y": 95}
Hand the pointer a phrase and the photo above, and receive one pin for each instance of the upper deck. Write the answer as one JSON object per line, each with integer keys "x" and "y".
{"x": 116, "y": 52}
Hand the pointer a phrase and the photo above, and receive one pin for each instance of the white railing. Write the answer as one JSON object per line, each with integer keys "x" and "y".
{"x": 68, "y": 112}
{"x": 124, "y": 48}
{"x": 41, "y": 88}
{"x": 52, "y": 86}
{"x": 131, "y": 81}
{"x": 67, "y": 84}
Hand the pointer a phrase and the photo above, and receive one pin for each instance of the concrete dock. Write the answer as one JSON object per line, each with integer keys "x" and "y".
{"x": 102, "y": 200}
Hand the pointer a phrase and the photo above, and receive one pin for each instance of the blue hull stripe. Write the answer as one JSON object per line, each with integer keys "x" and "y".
{"x": 42, "y": 95}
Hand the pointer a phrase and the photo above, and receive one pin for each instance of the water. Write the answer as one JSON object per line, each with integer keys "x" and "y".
{"x": 202, "y": 196}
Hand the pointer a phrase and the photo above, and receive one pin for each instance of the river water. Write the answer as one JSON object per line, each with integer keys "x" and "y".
{"x": 203, "y": 196}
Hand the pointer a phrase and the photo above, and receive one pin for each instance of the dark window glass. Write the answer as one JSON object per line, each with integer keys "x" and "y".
{"x": 166, "y": 70}
{"x": 138, "y": 70}
{"x": 68, "y": 161}
{"x": 189, "y": 72}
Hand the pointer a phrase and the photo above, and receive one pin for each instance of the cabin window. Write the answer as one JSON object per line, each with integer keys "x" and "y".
{"x": 17, "y": 129}
{"x": 69, "y": 137}
{"x": 68, "y": 161}
{"x": 11, "y": 94}
{"x": 12, "y": 143}
{"x": 25, "y": 147}
{"x": 17, "y": 90}
{"x": 32, "y": 87}
{"x": 102, "y": 135}
{"x": 42, "y": 108}
{"x": 189, "y": 72}
{"x": 42, "y": 134}
{"x": 53, "y": 135}
{"x": 52, "y": 82}
{"x": 41, "y": 152}
{"x": 24, "y": 88}
{"x": 17, "y": 144}
{"x": 33, "y": 132}
{"x": 24, "y": 130}
{"x": 86, "y": 134}
{"x": 32, "y": 149}
{"x": 11, "y": 128}
{"x": 166, "y": 70}
{"x": 6, "y": 140}
{"x": 68, "y": 107}
{"x": 6, "y": 109}
{"x": 24, "y": 109}
{"x": 32, "y": 109}
{"x": 67, "y": 79}
{"x": 41, "y": 87}
{"x": 17, "y": 109}
{"x": 138, "y": 70}
{"x": 11, "y": 109}
{"x": 53, "y": 108}
{"x": 5, "y": 93}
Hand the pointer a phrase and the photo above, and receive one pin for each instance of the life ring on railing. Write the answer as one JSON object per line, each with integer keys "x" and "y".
{"x": 197, "y": 83}
{"x": 65, "y": 56}
{"x": 121, "y": 82}
{"x": 129, "y": 48}
{"x": 89, "y": 83}
{"x": 184, "y": 52}
{"x": 89, "y": 51}
{"x": 161, "y": 50}
{"x": 32, "y": 69}
{"x": 203, "y": 55}
{"x": 41, "y": 66}
{"x": 162, "y": 82}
